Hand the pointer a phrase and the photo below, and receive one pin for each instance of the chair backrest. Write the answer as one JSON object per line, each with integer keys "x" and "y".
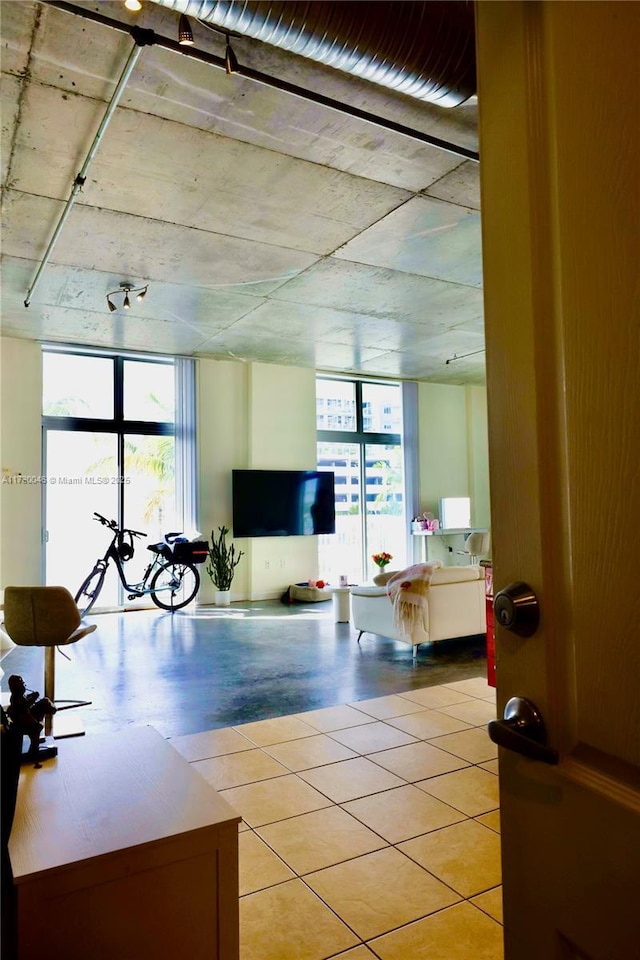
{"x": 478, "y": 544}
{"x": 40, "y": 616}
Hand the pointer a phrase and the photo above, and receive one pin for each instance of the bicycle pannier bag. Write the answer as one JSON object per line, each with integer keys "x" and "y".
{"x": 194, "y": 551}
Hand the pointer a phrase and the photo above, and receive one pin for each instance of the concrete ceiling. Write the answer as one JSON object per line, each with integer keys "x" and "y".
{"x": 268, "y": 228}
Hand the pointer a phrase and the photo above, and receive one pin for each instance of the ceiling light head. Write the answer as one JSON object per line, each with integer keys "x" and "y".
{"x": 230, "y": 59}
{"x": 185, "y": 36}
{"x": 126, "y": 288}
{"x": 133, "y": 5}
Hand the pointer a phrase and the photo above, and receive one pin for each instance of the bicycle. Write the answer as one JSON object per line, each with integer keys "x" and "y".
{"x": 171, "y": 579}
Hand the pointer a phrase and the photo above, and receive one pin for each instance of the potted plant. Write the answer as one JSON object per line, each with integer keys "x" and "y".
{"x": 222, "y": 563}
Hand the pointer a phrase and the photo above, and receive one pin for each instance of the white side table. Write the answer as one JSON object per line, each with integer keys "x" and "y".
{"x": 341, "y": 604}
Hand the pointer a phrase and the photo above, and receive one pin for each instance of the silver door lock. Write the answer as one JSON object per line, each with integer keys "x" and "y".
{"x": 516, "y": 609}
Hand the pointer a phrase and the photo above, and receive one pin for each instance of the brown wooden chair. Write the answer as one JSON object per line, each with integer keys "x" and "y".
{"x": 45, "y": 617}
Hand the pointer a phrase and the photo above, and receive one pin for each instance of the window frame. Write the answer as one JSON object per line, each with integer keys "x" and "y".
{"x": 363, "y": 438}
{"x": 117, "y": 424}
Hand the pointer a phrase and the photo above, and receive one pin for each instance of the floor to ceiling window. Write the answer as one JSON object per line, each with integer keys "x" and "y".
{"x": 359, "y": 426}
{"x": 109, "y": 447}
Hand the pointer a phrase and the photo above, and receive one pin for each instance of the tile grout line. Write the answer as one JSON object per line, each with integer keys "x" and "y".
{"x": 387, "y": 845}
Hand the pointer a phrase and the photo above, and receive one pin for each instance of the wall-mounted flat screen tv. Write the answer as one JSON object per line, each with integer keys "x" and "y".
{"x": 283, "y": 503}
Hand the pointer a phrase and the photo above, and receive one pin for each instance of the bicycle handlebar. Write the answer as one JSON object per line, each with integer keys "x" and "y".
{"x": 112, "y": 524}
{"x": 103, "y": 520}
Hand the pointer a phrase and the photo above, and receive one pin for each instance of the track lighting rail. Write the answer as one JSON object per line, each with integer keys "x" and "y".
{"x": 79, "y": 181}
{"x": 274, "y": 82}
{"x": 463, "y": 356}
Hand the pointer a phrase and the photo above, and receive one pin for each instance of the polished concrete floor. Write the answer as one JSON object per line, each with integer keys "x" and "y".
{"x": 208, "y": 667}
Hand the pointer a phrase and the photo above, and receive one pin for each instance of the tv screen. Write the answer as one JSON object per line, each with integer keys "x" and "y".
{"x": 283, "y": 503}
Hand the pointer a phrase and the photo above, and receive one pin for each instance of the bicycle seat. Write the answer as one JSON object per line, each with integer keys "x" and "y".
{"x": 170, "y": 537}
{"x": 160, "y": 548}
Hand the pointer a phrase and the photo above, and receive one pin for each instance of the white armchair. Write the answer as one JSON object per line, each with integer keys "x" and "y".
{"x": 455, "y": 607}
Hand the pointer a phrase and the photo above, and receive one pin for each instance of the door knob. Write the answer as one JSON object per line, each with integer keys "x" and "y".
{"x": 523, "y": 730}
{"x": 516, "y": 608}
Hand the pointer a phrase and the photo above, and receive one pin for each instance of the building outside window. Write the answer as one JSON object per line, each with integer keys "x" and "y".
{"x": 362, "y": 445}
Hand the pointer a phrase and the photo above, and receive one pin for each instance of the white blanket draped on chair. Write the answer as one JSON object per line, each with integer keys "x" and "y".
{"x": 407, "y": 590}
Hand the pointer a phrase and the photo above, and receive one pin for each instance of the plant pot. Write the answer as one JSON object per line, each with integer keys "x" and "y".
{"x": 222, "y": 598}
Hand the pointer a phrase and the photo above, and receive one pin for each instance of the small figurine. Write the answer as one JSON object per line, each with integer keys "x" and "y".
{"x": 27, "y": 711}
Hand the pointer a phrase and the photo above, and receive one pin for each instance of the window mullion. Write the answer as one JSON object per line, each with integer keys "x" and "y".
{"x": 359, "y": 417}
{"x": 121, "y": 476}
{"x": 147, "y": 427}
{"x": 363, "y": 500}
{"x": 86, "y": 425}
{"x": 352, "y": 436}
{"x": 363, "y": 472}
{"x": 78, "y": 424}
{"x": 118, "y": 392}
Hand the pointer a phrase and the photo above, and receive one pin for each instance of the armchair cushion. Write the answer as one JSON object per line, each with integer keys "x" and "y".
{"x": 381, "y": 579}
{"x": 368, "y": 590}
{"x": 455, "y": 607}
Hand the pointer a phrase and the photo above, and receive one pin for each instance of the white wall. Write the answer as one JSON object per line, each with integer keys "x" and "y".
{"x": 222, "y": 444}
{"x": 20, "y": 453}
{"x": 257, "y": 416}
{"x": 452, "y": 438}
{"x": 478, "y": 446}
{"x": 442, "y": 438}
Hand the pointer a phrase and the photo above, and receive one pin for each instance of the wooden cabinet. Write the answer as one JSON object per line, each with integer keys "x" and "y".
{"x": 120, "y": 849}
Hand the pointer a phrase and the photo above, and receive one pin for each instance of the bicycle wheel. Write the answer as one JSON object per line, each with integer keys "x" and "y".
{"x": 90, "y": 590}
{"x": 175, "y": 585}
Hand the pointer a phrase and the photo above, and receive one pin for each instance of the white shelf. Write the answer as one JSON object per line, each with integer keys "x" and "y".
{"x": 448, "y": 533}
{"x": 447, "y": 545}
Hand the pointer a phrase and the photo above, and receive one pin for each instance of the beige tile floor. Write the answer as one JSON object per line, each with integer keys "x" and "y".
{"x": 370, "y": 830}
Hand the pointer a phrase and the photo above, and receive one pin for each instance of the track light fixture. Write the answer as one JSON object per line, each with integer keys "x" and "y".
{"x": 185, "y": 36}
{"x": 126, "y": 288}
{"x": 231, "y": 64}
{"x": 230, "y": 59}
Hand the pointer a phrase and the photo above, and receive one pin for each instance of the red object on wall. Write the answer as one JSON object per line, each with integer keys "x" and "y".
{"x": 491, "y": 644}
{"x": 491, "y": 647}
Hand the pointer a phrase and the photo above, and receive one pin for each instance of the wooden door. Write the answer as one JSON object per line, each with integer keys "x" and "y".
{"x": 560, "y": 174}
